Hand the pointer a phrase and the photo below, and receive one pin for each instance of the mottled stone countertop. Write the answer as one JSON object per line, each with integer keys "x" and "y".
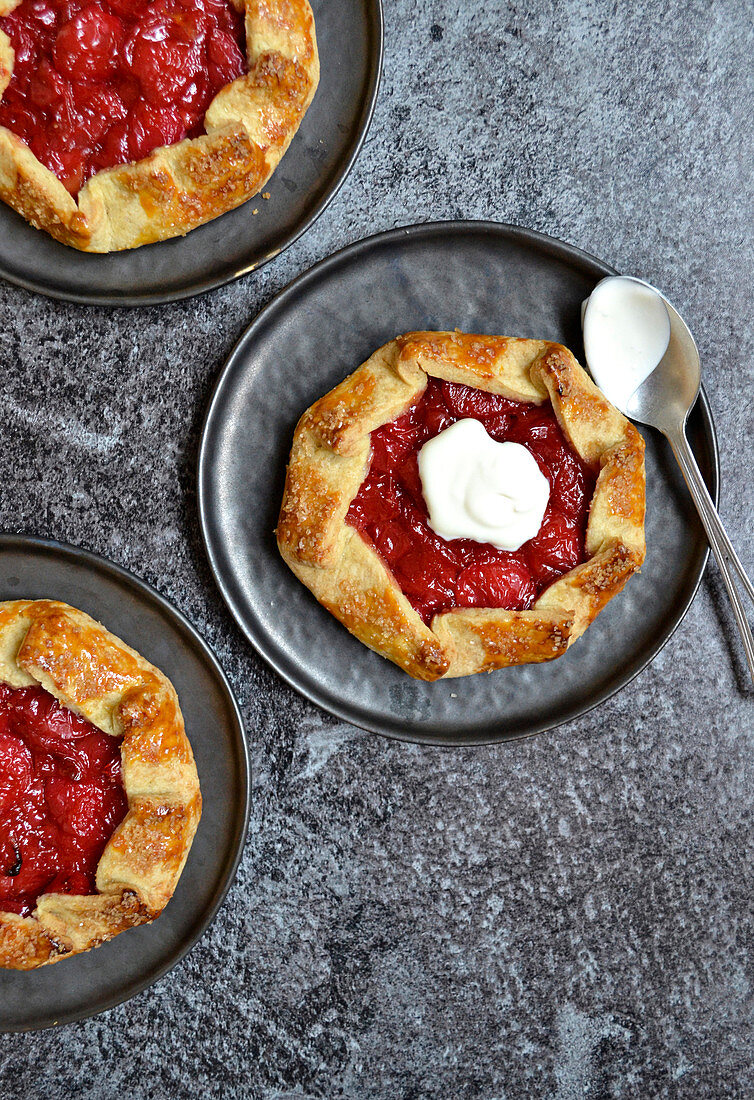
{"x": 565, "y": 917}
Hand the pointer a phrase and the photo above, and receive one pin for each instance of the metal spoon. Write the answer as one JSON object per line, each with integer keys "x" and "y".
{"x": 664, "y": 401}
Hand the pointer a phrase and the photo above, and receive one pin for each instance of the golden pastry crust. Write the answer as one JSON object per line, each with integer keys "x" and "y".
{"x": 96, "y": 675}
{"x": 249, "y": 125}
{"x": 330, "y": 459}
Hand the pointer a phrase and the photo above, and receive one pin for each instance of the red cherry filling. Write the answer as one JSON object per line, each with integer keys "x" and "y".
{"x": 101, "y": 83}
{"x": 437, "y": 575}
{"x": 61, "y": 798}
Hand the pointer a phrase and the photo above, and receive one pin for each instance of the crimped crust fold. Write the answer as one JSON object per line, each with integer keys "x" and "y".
{"x": 6, "y": 52}
{"x": 96, "y": 675}
{"x": 330, "y": 459}
{"x": 249, "y": 125}
{"x": 359, "y": 590}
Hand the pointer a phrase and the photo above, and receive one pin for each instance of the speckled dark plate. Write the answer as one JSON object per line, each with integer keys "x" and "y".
{"x": 349, "y": 35}
{"x": 87, "y": 984}
{"x": 479, "y": 277}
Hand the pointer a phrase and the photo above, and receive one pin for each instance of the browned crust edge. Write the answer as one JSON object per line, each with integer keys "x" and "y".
{"x": 330, "y": 458}
{"x": 97, "y": 675}
{"x": 249, "y": 125}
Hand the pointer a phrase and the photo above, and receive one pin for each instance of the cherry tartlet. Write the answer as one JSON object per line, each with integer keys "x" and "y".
{"x": 101, "y": 83}
{"x": 124, "y": 122}
{"x": 99, "y": 796}
{"x": 354, "y": 527}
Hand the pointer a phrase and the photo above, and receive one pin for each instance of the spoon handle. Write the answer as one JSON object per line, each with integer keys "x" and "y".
{"x": 718, "y": 538}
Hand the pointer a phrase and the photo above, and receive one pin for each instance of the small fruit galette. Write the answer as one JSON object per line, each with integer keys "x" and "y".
{"x": 124, "y": 122}
{"x": 99, "y": 796}
{"x": 462, "y": 503}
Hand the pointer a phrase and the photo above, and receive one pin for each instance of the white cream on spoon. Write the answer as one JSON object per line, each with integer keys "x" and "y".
{"x": 476, "y": 488}
{"x": 626, "y": 333}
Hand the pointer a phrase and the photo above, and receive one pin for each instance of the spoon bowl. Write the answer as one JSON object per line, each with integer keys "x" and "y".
{"x": 668, "y": 395}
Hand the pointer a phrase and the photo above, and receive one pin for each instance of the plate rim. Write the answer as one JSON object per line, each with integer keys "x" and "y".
{"x": 543, "y": 242}
{"x": 77, "y": 553}
{"x": 376, "y": 19}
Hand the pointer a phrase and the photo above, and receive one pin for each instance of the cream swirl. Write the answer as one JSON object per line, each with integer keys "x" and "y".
{"x": 476, "y": 488}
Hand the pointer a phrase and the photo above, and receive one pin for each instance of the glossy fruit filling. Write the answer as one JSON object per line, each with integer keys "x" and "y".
{"x": 61, "y": 798}
{"x": 104, "y": 83}
{"x": 438, "y": 575}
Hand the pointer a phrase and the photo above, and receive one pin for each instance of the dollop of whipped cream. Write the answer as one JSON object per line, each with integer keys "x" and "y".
{"x": 626, "y": 333}
{"x": 476, "y": 488}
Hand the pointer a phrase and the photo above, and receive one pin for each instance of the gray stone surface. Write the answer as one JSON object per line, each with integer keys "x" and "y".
{"x": 566, "y": 917}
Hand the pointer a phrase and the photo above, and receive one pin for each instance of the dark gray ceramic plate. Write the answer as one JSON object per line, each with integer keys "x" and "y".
{"x": 349, "y": 34}
{"x": 87, "y": 984}
{"x": 479, "y": 277}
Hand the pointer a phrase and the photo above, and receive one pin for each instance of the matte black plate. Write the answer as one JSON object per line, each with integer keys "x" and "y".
{"x": 87, "y": 984}
{"x": 479, "y": 277}
{"x": 349, "y": 35}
